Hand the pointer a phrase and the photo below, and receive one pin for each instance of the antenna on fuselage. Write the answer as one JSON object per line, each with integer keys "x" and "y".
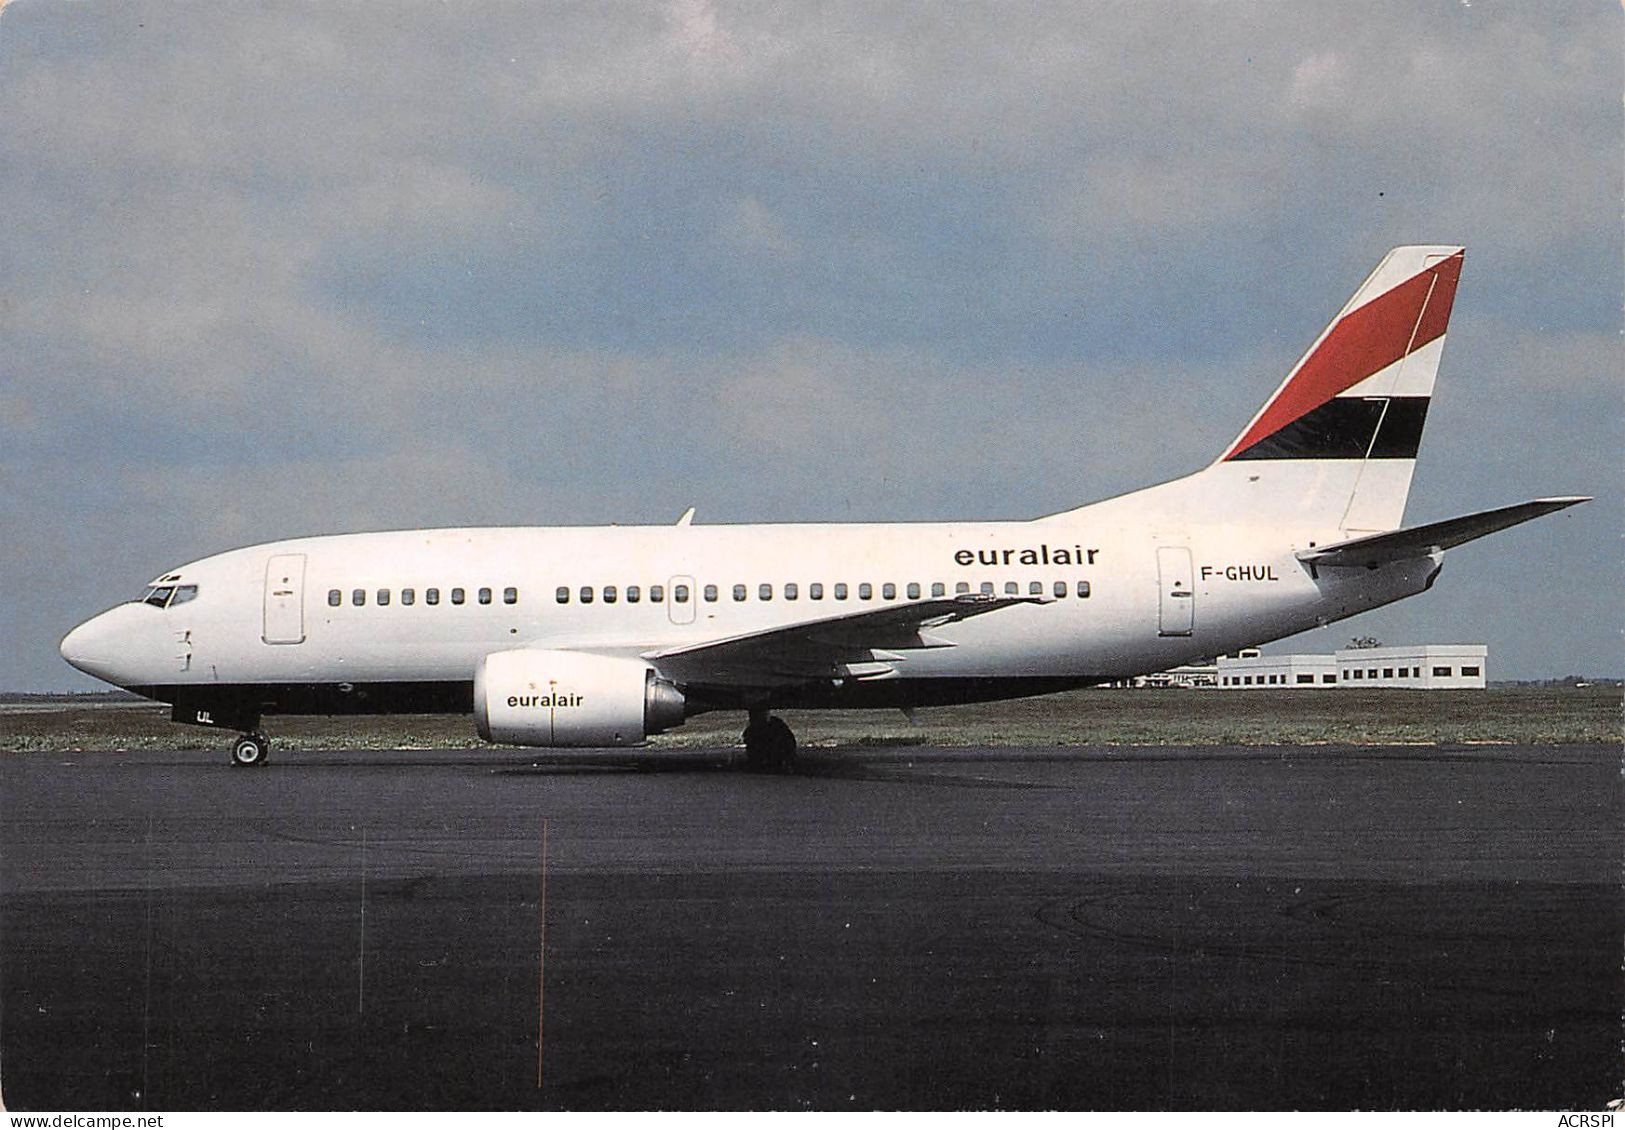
{"x": 688, "y": 517}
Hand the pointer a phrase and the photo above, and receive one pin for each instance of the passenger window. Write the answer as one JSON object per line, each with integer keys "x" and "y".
{"x": 358, "y": 597}
{"x": 1035, "y": 588}
{"x": 457, "y": 596}
{"x": 739, "y": 592}
{"x": 1060, "y": 588}
{"x": 764, "y": 592}
{"x": 560, "y": 594}
{"x": 816, "y": 590}
{"x": 409, "y": 596}
{"x": 866, "y": 591}
{"x": 431, "y": 596}
{"x": 914, "y": 590}
{"x": 1011, "y": 588}
{"x": 485, "y": 596}
{"x": 383, "y": 596}
{"x": 710, "y": 594}
{"x": 938, "y": 589}
{"x": 987, "y": 588}
{"x": 657, "y": 593}
{"x": 961, "y": 588}
{"x": 1083, "y": 588}
{"x": 679, "y": 593}
{"x": 888, "y": 591}
{"x": 586, "y": 594}
{"x": 334, "y": 598}
{"x": 840, "y": 590}
{"x": 510, "y": 596}
{"x": 610, "y": 594}
{"x": 633, "y": 594}
{"x": 791, "y": 591}
{"x": 183, "y": 594}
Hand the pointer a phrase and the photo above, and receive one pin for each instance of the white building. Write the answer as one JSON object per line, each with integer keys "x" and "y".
{"x": 1424, "y": 666}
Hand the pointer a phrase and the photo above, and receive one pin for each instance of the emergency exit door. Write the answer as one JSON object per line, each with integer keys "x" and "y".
{"x": 285, "y": 598}
{"x": 1176, "y": 608}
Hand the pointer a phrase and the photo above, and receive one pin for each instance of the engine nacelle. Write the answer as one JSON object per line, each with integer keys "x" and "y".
{"x": 540, "y": 697}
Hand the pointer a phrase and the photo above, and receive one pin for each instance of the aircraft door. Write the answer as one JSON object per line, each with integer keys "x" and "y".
{"x": 285, "y": 598}
{"x": 681, "y": 599}
{"x": 1176, "y": 603}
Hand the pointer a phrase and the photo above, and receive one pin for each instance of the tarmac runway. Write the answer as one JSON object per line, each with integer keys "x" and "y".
{"x": 1320, "y": 927}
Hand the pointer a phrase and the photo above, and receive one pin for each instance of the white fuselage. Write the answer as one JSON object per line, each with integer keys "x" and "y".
{"x": 334, "y": 609}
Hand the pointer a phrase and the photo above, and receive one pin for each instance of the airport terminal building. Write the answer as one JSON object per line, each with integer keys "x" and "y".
{"x": 1421, "y": 667}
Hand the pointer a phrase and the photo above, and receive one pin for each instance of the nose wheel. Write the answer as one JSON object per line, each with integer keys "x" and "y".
{"x": 769, "y": 743}
{"x": 250, "y": 750}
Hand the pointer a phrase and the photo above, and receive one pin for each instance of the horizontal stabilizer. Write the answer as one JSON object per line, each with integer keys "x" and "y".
{"x": 1419, "y": 541}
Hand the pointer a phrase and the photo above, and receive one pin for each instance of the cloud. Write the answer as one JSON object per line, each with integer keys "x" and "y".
{"x": 281, "y": 269}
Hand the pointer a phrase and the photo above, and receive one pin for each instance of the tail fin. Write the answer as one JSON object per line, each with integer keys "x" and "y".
{"x": 1334, "y": 448}
{"x": 1360, "y": 395}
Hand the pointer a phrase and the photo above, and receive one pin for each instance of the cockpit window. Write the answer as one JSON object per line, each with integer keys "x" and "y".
{"x": 161, "y": 596}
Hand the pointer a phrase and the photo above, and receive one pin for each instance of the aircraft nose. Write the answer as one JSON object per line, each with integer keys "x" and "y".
{"x": 92, "y": 647}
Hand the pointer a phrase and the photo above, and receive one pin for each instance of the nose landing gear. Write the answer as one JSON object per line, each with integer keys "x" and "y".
{"x": 250, "y": 750}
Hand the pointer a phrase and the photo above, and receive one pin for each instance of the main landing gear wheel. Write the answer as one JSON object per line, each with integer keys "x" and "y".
{"x": 769, "y": 744}
{"x": 250, "y": 750}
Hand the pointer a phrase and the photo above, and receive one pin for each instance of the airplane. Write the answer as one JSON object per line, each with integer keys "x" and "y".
{"x": 603, "y": 636}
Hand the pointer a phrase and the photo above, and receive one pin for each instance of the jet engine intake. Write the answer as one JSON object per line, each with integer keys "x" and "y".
{"x": 541, "y": 697}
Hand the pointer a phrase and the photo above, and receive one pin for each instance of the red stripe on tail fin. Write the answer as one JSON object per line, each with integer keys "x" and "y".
{"x": 1364, "y": 341}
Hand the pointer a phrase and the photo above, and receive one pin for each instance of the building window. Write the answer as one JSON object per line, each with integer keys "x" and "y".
{"x": 611, "y": 595}
{"x": 1309, "y": 679}
{"x": 383, "y": 596}
{"x": 409, "y": 596}
{"x": 739, "y": 592}
{"x": 561, "y": 594}
{"x": 1469, "y": 672}
{"x": 1441, "y": 672}
{"x": 710, "y": 594}
{"x": 1358, "y": 673}
{"x": 791, "y": 590}
{"x": 1347, "y": 675}
{"x": 816, "y": 590}
{"x": 1371, "y": 673}
{"x": 1387, "y": 672}
{"x": 764, "y": 592}
{"x": 334, "y": 598}
{"x": 431, "y": 596}
{"x": 1328, "y": 678}
{"x": 510, "y": 596}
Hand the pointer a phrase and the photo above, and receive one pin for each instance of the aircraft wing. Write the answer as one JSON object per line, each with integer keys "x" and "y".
{"x": 1419, "y": 541}
{"x": 854, "y": 645}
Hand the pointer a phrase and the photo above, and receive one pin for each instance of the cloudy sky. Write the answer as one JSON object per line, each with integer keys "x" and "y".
{"x": 274, "y": 269}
